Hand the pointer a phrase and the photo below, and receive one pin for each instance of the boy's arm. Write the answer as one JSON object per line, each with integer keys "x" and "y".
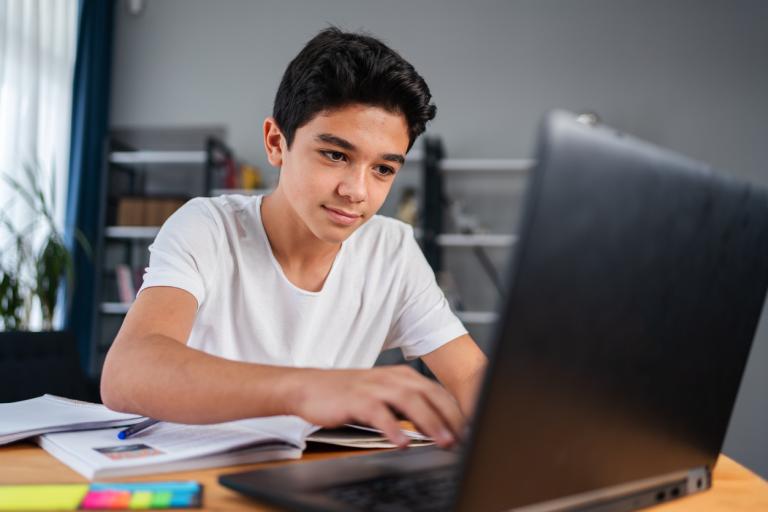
{"x": 149, "y": 370}
{"x": 459, "y": 365}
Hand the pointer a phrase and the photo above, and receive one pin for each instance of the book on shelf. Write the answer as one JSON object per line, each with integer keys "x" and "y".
{"x": 147, "y": 211}
{"x": 126, "y": 285}
{"x": 49, "y": 413}
{"x": 167, "y": 447}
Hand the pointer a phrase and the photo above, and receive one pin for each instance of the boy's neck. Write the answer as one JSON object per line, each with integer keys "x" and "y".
{"x": 294, "y": 246}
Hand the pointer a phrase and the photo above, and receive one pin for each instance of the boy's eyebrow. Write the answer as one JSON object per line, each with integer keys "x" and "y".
{"x": 345, "y": 144}
{"x": 393, "y": 157}
{"x": 336, "y": 141}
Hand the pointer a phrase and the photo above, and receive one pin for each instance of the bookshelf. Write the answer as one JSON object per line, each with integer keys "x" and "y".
{"x": 150, "y": 173}
{"x": 473, "y": 256}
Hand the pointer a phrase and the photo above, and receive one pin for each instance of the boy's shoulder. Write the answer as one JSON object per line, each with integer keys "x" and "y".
{"x": 383, "y": 233}
{"x": 221, "y": 207}
{"x": 229, "y": 203}
{"x": 211, "y": 218}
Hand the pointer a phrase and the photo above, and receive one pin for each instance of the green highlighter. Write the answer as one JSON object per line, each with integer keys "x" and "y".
{"x": 102, "y": 496}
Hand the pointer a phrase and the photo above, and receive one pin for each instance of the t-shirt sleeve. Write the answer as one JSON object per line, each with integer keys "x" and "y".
{"x": 184, "y": 248}
{"x": 424, "y": 320}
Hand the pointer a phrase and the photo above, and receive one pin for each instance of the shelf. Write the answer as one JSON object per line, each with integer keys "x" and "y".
{"x": 470, "y": 317}
{"x": 157, "y": 157}
{"x": 470, "y": 165}
{"x": 242, "y": 191}
{"x": 479, "y": 240}
{"x": 477, "y": 317}
{"x": 114, "y": 308}
{"x": 131, "y": 232}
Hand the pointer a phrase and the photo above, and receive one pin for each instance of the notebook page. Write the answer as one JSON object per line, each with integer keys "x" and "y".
{"x": 49, "y": 412}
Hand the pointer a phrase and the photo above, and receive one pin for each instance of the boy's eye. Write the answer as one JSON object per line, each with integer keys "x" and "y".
{"x": 385, "y": 170}
{"x": 334, "y": 156}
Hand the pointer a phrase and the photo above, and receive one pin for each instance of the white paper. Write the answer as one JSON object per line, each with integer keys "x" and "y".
{"x": 49, "y": 413}
{"x": 358, "y": 436}
{"x": 411, "y": 434}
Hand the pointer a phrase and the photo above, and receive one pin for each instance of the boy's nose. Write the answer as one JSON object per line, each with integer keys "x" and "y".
{"x": 353, "y": 186}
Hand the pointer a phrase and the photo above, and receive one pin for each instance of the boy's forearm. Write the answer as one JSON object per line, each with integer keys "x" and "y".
{"x": 468, "y": 393}
{"x": 163, "y": 379}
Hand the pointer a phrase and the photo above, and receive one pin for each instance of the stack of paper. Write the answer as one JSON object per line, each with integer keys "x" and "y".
{"x": 167, "y": 447}
{"x": 359, "y": 436}
{"x": 48, "y": 413}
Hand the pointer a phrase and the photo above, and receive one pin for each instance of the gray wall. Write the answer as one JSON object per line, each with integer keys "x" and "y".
{"x": 690, "y": 75}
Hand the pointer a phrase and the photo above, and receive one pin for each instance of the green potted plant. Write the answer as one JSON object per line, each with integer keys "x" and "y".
{"x": 34, "y": 263}
{"x": 40, "y": 260}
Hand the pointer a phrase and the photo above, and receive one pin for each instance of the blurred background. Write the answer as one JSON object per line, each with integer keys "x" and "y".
{"x": 185, "y": 86}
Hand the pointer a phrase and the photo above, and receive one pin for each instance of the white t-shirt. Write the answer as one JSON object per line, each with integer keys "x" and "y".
{"x": 379, "y": 294}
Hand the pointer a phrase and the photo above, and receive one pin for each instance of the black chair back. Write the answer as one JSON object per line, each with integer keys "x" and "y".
{"x": 36, "y": 363}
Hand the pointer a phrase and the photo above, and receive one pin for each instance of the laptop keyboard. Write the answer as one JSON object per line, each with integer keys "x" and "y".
{"x": 431, "y": 491}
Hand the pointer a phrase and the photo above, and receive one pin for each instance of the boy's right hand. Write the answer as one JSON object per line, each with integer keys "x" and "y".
{"x": 331, "y": 398}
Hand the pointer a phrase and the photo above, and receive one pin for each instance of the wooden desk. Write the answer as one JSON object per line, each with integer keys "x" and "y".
{"x": 735, "y": 488}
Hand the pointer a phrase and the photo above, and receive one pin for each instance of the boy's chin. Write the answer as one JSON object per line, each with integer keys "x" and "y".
{"x": 335, "y": 234}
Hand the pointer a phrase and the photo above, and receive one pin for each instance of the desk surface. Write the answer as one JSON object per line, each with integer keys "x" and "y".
{"x": 735, "y": 488}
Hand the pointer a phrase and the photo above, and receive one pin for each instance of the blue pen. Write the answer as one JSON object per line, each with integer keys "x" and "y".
{"x": 135, "y": 429}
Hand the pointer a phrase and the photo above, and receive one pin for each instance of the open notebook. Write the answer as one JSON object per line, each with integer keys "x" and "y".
{"x": 167, "y": 447}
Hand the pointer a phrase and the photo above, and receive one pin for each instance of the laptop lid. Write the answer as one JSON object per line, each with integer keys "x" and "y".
{"x": 634, "y": 296}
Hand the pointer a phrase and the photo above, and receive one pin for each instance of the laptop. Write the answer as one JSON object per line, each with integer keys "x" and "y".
{"x": 633, "y": 297}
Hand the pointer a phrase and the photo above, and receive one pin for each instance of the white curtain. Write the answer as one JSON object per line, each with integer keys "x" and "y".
{"x": 37, "y": 54}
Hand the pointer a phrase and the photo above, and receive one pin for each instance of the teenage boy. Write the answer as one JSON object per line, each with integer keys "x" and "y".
{"x": 259, "y": 306}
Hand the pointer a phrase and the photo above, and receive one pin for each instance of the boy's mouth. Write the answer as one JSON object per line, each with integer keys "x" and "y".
{"x": 341, "y": 216}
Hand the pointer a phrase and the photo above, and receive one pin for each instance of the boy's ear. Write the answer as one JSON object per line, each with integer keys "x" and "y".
{"x": 274, "y": 142}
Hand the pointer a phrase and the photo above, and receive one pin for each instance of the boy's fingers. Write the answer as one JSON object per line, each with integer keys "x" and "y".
{"x": 382, "y": 418}
{"x": 439, "y": 400}
{"x": 448, "y": 409}
{"x": 433, "y": 400}
{"x": 427, "y": 420}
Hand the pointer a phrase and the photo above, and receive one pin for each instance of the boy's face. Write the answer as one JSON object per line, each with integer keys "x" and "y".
{"x": 340, "y": 167}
